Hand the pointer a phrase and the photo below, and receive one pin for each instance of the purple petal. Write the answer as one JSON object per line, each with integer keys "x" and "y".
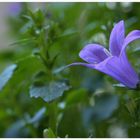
{"x": 93, "y": 53}
{"x": 15, "y": 8}
{"x": 131, "y": 37}
{"x": 117, "y": 38}
{"x": 120, "y": 69}
{"x": 117, "y": 67}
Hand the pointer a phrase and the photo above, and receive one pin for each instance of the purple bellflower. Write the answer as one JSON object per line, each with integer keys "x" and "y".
{"x": 113, "y": 62}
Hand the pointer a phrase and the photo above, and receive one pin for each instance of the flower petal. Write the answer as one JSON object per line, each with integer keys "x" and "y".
{"x": 120, "y": 69}
{"x": 131, "y": 37}
{"x": 124, "y": 61}
{"x": 117, "y": 38}
{"x": 117, "y": 67}
{"x": 93, "y": 53}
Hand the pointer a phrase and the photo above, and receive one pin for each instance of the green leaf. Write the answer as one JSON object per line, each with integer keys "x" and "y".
{"x": 71, "y": 123}
{"x": 48, "y": 133}
{"x": 119, "y": 85}
{"x": 16, "y": 130}
{"x": 27, "y": 67}
{"x": 6, "y": 75}
{"x": 49, "y": 92}
{"x": 133, "y": 108}
{"x": 38, "y": 116}
{"x": 68, "y": 32}
{"x": 19, "y": 127}
{"x": 77, "y": 96}
{"x": 103, "y": 108}
{"x": 25, "y": 40}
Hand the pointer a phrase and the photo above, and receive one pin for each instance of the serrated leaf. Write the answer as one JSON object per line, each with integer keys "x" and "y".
{"x": 6, "y": 75}
{"x": 49, "y": 92}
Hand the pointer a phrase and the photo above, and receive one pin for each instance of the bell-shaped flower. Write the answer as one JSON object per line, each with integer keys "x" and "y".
{"x": 113, "y": 62}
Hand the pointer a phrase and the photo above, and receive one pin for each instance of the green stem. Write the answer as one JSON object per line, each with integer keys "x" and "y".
{"x": 53, "y": 116}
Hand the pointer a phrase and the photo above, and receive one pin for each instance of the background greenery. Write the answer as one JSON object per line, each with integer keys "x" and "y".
{"x": 41, "y": 99}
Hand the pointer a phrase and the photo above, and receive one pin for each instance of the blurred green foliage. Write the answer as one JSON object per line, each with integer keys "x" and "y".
{"x": 72, "y": 102}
